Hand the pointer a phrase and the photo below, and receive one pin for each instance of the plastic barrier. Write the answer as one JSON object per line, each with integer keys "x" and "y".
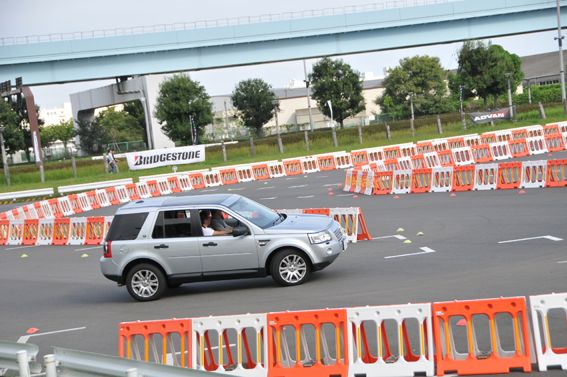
{"x": 30, "y": 212}
{"x": 421, "y": 180}
{"x": 442, "y": 179}
{"x": 463, "y": 156}
{"x": 75, "y": 203}
{"x": 392, "y": 164}
{"x": 174, "y": 184}
{"x": 423, "y": 147}
{"x": 408, "y": 149}
{"x": 112, "y": 195}
{"x": 55, "y": 207}
{"x": 488, "y": 138}
{"x": 533, "y": 174}
{"x": 153, "y": 188}
{"x": 84, "y": 202}
{"x": 392, "y": 152}
{"x": 446, "y": 158}
{"x": 94, "y": 230}
{"x": 4, "y": 231}
{"x": 15, "y": 232}
{"x": 383, "y": 340}
{"x": 359, "y": 157}
{"x": 212, "y": 179}
{"x": 61, "y": 231}
{"x": 262, "y": 172}
{"x": 77, "y": 231}
{"x": 361, "y": 176}
{"x": 554, "y": 142}
{"x": 469, "y": 336}
{"x": 456, "y": 142}
{"x": 485, "y": 177}
{"x": 418, "y": 162}
{"x": 509, "y": 175}
{"x": 519, "y": 148}
{"x": 377, "y": 166}
{"x": 244, "y": 173}
{"x": 309, "y": 164}
{"x": 124, "y": 194}
{"x": 500, "y": 151}
{"x": 368, "y": 184}
{"x": 43, "y": 209}
{"x": 93, "y": 200}
{"x": 353, "y": 222}
{"x": 536, "y": 145}
{"x": 481, "y": 153}
{"x": 133, "y": 192}
{"x": 503, "y": 136}
{"x": 556, "y": 173}
{"x": 463, "y": 178}
{"x": 519, "y": 134}
{"x": 326, "y": 162}
{"x": 534, "y": 131}
{"x": 102, "y": 198}
{"x": 197, "y": 180}
{"x": 548, "y": 322}
{"x": 232, "y": 345}
{"x": 342, "y": 160}
{"x": 349, "y": 180}
{"x": 45, "y": 231}
{"x": 472, "y": 140}
{"x": 375, "y": 154}
{"x": 153, "y": 341}
{"x": 440, "y": 145}
{"x": 184, "y": 183}
{"x": 228, "y": 176}
{"x": 431, "y": 160}
{"x": 401, "y": 182}
{"x": 307, "y": 343}
{"x": 383, "y": 183}
{"x": 551, "y": 129}
{"x": 292, "y": 167}
{"x": 276, "y": 169}
{"x": 30, "y": 232}
{"x": 405, "y": 163}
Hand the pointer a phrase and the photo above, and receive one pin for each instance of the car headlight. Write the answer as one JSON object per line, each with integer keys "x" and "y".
{"x": 319, "y": 237}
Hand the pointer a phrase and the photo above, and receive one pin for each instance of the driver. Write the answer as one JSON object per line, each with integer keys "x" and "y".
{"x": 218, "y": 223}
{"x": 206, "y": 218}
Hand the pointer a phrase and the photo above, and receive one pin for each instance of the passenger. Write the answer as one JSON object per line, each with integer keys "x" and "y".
{"x": 218, "y": 223}
{"x": 206, "y": 218}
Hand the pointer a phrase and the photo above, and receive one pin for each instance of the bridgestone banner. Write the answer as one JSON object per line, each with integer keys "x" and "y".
{"x": 164, "y": 157}
{"x": 485, "y": 117}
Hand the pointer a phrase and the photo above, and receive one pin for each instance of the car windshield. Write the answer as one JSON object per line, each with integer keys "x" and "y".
{"x": 261, "y": 216}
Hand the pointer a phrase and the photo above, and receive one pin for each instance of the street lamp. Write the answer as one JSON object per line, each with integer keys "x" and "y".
{"x": 333, "y": 128}
{"x": 508, "y": 77}
{"x": 559, "y": 40}
{"x": 4, "y": 159}
{"x": 463, "y": 121}
{"x": 307, "y": 83}
{"x": 412, "y": 115}
{"x": 276, "y": 104}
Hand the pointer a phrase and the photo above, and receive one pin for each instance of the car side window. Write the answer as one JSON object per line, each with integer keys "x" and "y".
{"x": 172, "y": 224}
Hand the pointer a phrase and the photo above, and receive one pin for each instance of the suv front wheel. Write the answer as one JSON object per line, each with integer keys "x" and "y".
{"x": 290, "y": 267}
{"x": 146, "y": 282}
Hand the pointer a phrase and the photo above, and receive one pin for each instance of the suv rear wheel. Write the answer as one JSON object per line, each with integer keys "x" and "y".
{"x": 145, "y": 282}
{"x": 290, "y": 267}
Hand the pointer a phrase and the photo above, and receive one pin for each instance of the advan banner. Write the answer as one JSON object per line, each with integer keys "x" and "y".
{"x": 165, "y": 157}
{"x": 485, "y": 117}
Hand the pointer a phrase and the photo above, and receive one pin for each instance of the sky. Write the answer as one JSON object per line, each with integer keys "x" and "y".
{"x": 33, "y": 17}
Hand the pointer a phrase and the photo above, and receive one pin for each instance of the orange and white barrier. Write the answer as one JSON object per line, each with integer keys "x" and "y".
{"x": 463, "y": 156}
{"x": 375, "y": 154}
{"x": 46, "y": 228}
{"x": 500, "y": 151}
{"x": 485, "y": 177}
{"x": 359, "y": 157}
{"x": 442, "y": 179}
{"x": 536, "y": 145}
{"x": 309, "y": 164}
{"x": 534, "y": 174}
{"x": 276, "y": 169}
{"x": 548, "y": 321}
{"x": 245, "y": 173}
{"x": 342, "y": 160}
{"x": 77, "y": 231}
{"x": 292, "y": 166}
{"x": 379, "y": 339}
{"x": 15, "y": 232}
{"x": 401, "y": 182}
{"x": 556, "y": 173}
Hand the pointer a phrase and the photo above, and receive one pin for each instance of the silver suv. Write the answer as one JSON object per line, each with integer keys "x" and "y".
{"x": 157, "y": 243}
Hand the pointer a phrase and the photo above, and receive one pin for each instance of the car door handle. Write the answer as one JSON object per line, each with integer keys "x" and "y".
{"x": 209, "y": 244}
{"x": 162, "y": 246}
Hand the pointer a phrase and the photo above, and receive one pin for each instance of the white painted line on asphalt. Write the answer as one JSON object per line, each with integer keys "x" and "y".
{"x": 24, "y": 339}
{"x": 562, "y": 261}
{"x": 398, "y": 236}
{"x": 306, "y": 197}
{"x": 331, "y": 184}
{"x": 323, "y": 176}
{"x": 272, "y": 198}
{"x": 298, "y": 186}
{"x": 209, "y": 190}
{"x": 290, "y": 178}
{"x": 89, "y": 248}
{"x": 236, "y": 189}
{"x": 265, "y": 188}
{"x": 425, "y": 249}
{"x": 551, "y": 238}
{"x": 20, "y": 247}
{"x": 345, "y": 195}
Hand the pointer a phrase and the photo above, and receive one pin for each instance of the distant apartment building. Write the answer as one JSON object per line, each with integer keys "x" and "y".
{"x": 56, "y": 115}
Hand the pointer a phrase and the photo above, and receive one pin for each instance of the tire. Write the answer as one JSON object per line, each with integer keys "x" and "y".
{"x": 146, "y": 282}
{"x": 290, "y": 267}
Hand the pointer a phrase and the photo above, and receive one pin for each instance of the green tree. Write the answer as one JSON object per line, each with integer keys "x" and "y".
{"x": 13, "y": 135}
{"x": 421, "y": 77}
{"x": 136, "y": 110}
{"x": 254, "y": 100}
{"x": 484, "y": 69}
{"x": 335, "y": 81}
{"x": 179, "y": 99}
{"x": 92, "y": 136}
{"x": 64, "y": 131}
{"x": 20, "y": 107}
{"x": 120, "y": 125}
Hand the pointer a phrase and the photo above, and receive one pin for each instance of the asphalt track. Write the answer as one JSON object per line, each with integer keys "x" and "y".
{"x": 60, "y": 292}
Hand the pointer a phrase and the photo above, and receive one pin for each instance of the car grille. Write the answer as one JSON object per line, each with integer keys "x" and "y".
{"x": 339, "y": 233}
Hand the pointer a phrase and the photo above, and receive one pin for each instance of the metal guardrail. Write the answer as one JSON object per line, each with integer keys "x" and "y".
{"x": 19, "y": 357}
{"x": 27, "y": 194}
{"x": 93, "y": 186}
{"x": 222, "y": 22}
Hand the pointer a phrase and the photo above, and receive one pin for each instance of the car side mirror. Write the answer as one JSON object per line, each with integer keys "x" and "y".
{"x": 240, "y": 231}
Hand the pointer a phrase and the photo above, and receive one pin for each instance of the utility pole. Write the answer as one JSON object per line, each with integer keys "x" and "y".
{"x": 307, "y": 83}
{"x": 224, "y": 133}
{"x": 276, "y": 109}
{"x": 463, "y": 121}
{"x": 559, "y": 39}
{"x": 508, "y": 77}
{"x": 4, "y": 159}
{"x": 333, "y": 128}
{"x": 412, "y": 120}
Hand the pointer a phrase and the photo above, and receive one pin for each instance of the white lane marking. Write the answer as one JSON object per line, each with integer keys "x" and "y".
{"x": 209, "y": 190}
{"x": 398, "y": 236}
{"x": 236, "y": 189}
{"x": 331, "y": 184}
{"x": 298, "y": 186}
{"x": 290, "y": 178}
{"x": 265, "y": 188}
{"x": 89, "y": 248}
{"x": 425, "y": 249}
{"x": 20, "y": 247}
{"x": 24, "y": 339}
{"x": 306, "y": 197}
{"x": 271, "y": 198}
{"x": 551, "y": 238}
{"x": 562, "y": 261}
{"x": 345, "y": 195}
